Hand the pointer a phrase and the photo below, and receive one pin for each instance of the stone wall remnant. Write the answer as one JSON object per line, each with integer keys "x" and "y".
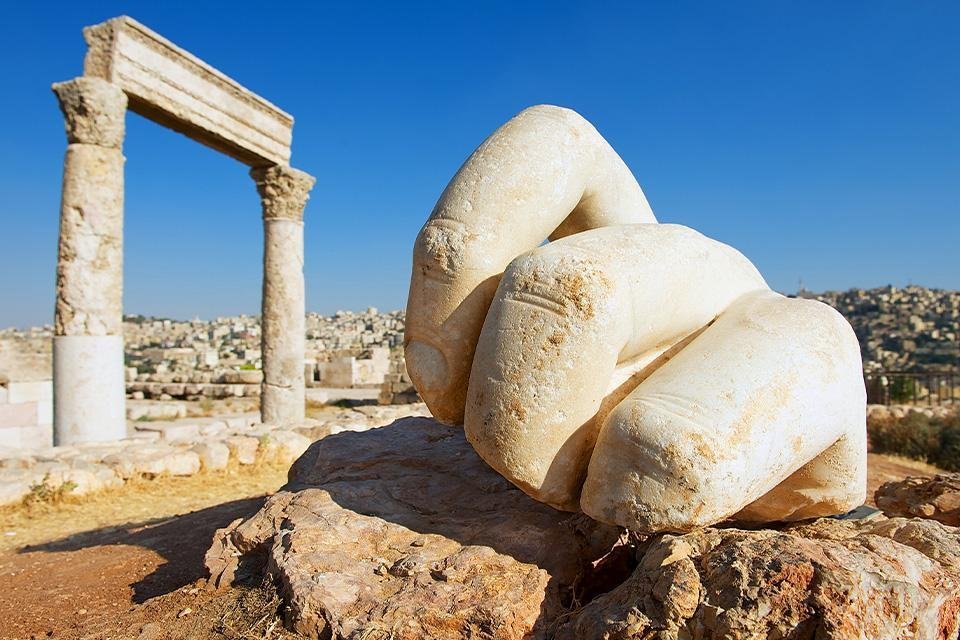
{"x": 937, "y": 498}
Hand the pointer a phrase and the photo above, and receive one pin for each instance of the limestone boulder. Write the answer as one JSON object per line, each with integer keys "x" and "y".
{"x": 403, "y": 532}
{"x": 14, "y": 487}
{"x": 243, "y": 448}
{"x": 76, "y": 476}
{"x": 830, "y": 579}
{"x": 937, "y": 498}
{"x": 240, "y": 422}
{"x": 16, "y": 461}
{"x": 86, "y": 477}
{"x": 52, "y": 473}
{"x": 174, "y": 463}
{"x": 153, "y": 460}
{"x": 243, "y": 377}
{"x": 214, "y": 455}
{"x": 282, "y": 446}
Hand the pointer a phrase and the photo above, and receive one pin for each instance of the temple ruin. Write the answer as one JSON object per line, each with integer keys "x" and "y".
{"x": 128, "y": 66}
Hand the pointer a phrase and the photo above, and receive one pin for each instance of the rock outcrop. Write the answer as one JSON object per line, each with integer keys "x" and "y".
{"x": 937, "y": 498}
{"x": 826, "y": 579}
{"x": 403, "y": 532}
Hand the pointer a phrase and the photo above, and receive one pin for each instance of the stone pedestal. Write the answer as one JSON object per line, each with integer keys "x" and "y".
{"x": 88, "y": 322}
{"x": 88, "y": 389}
{"x": 283, "y": 192}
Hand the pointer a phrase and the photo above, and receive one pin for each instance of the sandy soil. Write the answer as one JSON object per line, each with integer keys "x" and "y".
{"x": 884, "y": 468}
{"x": 129, "y": 563}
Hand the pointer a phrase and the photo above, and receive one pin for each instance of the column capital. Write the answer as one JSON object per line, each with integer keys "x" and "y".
{"x": 284, "y": 191}
{"x": 93, "y": 111}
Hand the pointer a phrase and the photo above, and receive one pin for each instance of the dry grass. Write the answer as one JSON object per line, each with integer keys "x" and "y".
{"x": 325, "y": 411}
{"x": 132, "y": 559}
{"x": 921, "y": 467}
{"x": 252, "y": 614}
{"x": 36, "y": 521}
{"x": 209, "y": 407}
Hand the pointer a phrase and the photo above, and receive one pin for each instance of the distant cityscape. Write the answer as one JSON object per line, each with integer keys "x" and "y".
{"x": 221, "y": 357}
{"x": 911, "y": 328}
{"x": 162, "y": 345}
{"x": 909, "y": 337}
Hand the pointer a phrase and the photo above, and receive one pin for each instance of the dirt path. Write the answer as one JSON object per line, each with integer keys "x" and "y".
{"x": 95, "y": 569}
{"x": 884, "y": 468}
{"x": 129, "y": 563}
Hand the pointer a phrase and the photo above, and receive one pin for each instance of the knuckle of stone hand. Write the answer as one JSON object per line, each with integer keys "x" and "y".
{"x": 571, "y": 286}
{"x": 441, "y": 247}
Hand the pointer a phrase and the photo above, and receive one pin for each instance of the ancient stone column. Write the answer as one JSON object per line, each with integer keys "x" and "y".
{"x": 283, "y": 193}
{"x": 88, "y": 401}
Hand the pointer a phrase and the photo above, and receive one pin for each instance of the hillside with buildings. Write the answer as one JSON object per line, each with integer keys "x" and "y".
{"x": 221, "y": 358}
{"x": 902, "y": 329}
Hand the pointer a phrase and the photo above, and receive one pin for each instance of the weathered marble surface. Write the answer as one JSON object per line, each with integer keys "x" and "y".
{"x": 90, "y": 259}
{"x": 94, "y": 111}
{"x": 641, "y": 373}
{"x": 88, "y": 343}
{"x": 547, "y": 167}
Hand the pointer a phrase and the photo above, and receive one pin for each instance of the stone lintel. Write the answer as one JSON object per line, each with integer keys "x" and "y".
{"x": 178, "y": 90}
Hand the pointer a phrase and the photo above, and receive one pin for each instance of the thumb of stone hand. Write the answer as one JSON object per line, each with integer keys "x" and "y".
{"x": 640, "y": 372}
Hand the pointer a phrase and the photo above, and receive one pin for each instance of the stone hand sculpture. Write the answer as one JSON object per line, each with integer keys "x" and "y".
{"x": 638, "y": 371}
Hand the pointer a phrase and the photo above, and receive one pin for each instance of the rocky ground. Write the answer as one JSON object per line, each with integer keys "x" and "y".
{"x": 128, "y": 562}
{"x": 182, "y": 446}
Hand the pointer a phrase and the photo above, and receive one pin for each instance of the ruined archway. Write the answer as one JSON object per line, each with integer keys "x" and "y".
{"x": 129, "y": 66}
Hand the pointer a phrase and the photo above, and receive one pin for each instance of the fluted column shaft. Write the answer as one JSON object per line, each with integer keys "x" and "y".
{"x": 283, "y": 193}
{"x": 88, "y": 322}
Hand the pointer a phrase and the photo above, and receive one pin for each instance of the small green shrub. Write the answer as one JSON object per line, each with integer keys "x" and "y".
{"x": 912, "y": 436}
{"x": 948, "y": 454}
{"x": 903, "y": 389}
{"x": 43, "y": 492}
{"x": 933, "y": 440}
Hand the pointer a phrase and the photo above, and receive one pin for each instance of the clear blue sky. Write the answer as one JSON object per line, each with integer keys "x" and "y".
{"x": 822, "y": 139}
